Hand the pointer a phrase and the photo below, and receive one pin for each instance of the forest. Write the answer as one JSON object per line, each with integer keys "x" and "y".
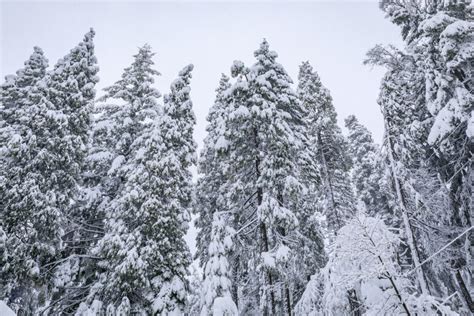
{"x": 294, "y": 216}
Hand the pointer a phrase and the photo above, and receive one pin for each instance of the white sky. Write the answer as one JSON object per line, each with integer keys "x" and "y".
{"x": 334, "y": 36}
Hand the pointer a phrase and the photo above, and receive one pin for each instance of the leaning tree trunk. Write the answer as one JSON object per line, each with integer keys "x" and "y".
{"x": 403, "y": 208}
{"x": 354, "y": 303}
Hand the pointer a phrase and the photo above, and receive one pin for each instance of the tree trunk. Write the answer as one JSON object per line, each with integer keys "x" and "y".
{"x": 263, "y": 235}
{"x": 464, "y": 291}
{"x": 403, "y": 209}
{"x": 288, "y": 301}
{"x": 329, "y": 186}
{"x": 354, "y": 303}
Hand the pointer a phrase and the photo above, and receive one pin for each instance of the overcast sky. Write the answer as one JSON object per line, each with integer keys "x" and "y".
{"x": 334, "y": 36}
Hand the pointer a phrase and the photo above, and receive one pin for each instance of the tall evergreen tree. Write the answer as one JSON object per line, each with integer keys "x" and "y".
{"x": 210, "y": 191}
{"x": 117, "y": 149}
{"x": 368, "y": 172}
{"x": 330, "y": 148}
{"x": 56, "y": 122}
{"x": 26, "y": 245}
{"x": 216, "y": 297}
{"x": 175, "y": 193}
{"x": 262, "y": 135}
{"x": 71, "y": 93}
{"x": 438, "y": 37}
{"x": 335, "y": 199}
{"x": 145, "y": 254}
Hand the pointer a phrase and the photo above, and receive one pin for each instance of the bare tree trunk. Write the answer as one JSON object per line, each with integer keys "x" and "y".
{"x": 328, "y": 185}
{"x": 464, "y": 291}
{"x": 288, "y": 301}
{"x": 403, "y": 208}
{"x": 354, "y": 303}
{"x": 351, "y": 294}
{"x": 263, "y": 234}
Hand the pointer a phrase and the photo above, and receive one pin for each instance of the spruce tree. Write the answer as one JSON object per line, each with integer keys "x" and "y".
{"x": 71, "y": 93}
{"x": 27, "y": 244}
{"x": 55, "y": 124}
{"x": 175, "y": 194}
{"x": 263, "y": 134}
{"x": 335, "y": 199}
{"x": 210, "y": 190}
{"x": 216, "y": 297}
{"x": 368, "y": 172}
{"x": 329, "y": 147}
{"x": 146, "y": 258}
{"x": 126, "y": 119}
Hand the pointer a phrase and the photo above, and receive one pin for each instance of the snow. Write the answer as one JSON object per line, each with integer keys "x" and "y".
{"x": 224, "y": 306}
{"x": 268, "y": 259}
{"x": 221, "y": 143}
{"x": 456, "y": 28}
{"x": 5, "y": 310}
{"x": 470, "y": 126}
{"x": 118, "y": 161}
{"x": 241, "y": 111}
{"x": 436, "y": 21}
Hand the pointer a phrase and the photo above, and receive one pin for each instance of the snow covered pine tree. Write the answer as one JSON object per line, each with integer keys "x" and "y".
{"x": 54, "y": 117}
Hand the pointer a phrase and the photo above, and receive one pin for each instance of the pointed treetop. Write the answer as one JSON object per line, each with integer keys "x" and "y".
{"x": 356, "y": 129}
{"x": 89, "y": 36}
{"x": 306, "y": 67}
{"x": 223, "y": 84}
{"x": 351, "y": 120}
{"x": 185, "y": 73}
{"x": 37, "y": 50}
{"x": 35, "y": 67}
{"x": 264, "y": 52}
{"x": 137, "y": 79}
{"x": 179, "y": 84}
{"x": 308, "y": 75}
{"x": 144, "y": 60}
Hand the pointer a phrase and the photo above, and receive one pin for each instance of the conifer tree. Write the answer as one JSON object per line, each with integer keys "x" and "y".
{"x": 329, "y": 145}
{"x": 445, "y": 48}
{"x": 175, "y": 194}
{"x": 126, "y": 119}
{"x": 368, "y": 172}
{"x": 216, "y": 286}
{"x": 329, "y": 149}
{"x": 438, "y": 36}
{"x": 263, "y": 131}
{"x": 71, "y": 94}
{"x": 210, "y": 192}
{"x": 55, "y": 124}
{"x": 146, "y": 256}
{"x": 26, "y": 244}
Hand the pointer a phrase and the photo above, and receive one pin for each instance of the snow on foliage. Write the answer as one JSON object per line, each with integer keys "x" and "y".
{"x": 363, "y": 257}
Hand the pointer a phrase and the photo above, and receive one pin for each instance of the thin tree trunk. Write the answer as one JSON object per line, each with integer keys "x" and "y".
{"x": 353, "y": 303}
{"x": 403, "y": 208}
{"x": 464, "y": 290}
{"x": 288, "y": 301}
{"x": 234, "y": 287}
{"x": 263, "y": 234}
{"x": 392, "y": 281}
{"x": 351, "y": 294}
{"x": 329, "y": 185}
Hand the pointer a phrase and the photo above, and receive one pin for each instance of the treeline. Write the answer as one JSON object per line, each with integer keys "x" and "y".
{"x": 294, "y": 217}
{"x": 95, "y": 196}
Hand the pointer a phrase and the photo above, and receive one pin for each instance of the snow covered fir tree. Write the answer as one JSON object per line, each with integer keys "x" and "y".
{"x": 294, "y": 212}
